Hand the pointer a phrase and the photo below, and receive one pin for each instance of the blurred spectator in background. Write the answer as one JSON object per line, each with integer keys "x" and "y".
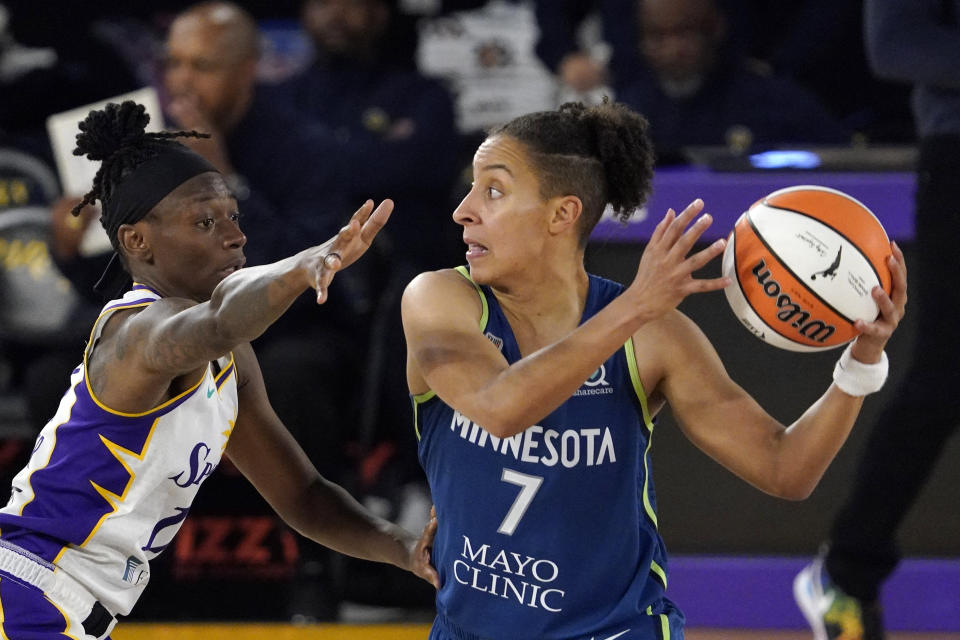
{"x": 581, "y": 68}
{"x": 47, "y": 66}
{"x": 41, "y": 317}
{"x": 399, "y": 124}
{"x": 290, "y": 189}
{"x": 275, "y": 161}
{"x": 697, "y": 90}
{"x": 486, "y": 55}
{"x": 816, "y": 43}
{"x": 915, "y": 41}
{"x": 820, "y": 45}
{"x": 399, "y": 141}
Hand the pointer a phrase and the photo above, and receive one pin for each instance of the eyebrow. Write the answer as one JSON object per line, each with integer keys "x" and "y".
{"x": 490, "y": 167}
{"x": 207, "y": 197}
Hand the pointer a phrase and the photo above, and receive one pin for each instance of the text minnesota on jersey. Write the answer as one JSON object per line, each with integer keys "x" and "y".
{"x": 527, "y": 579}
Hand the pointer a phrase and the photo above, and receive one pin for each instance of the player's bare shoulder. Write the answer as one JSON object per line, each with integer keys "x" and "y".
{"x": 444, "y": 291}
{"x": 118, "y": 364}
{"x": 130, "y": 329}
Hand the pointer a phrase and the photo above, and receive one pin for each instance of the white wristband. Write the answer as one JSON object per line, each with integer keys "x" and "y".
{"x": 859, "y": 379}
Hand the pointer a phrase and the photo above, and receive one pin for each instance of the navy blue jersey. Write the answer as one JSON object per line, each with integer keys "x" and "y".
{"x": 551, "y": 533}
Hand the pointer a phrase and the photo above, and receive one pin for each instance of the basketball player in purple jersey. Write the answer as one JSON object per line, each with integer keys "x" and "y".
{"x": 168, "y": 384}
{"x": 535, "y": 386}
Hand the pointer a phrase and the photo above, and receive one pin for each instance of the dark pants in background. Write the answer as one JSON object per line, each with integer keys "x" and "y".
{"x": 905, "y": 444}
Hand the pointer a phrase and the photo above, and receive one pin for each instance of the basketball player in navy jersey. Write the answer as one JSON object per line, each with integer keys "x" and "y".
{"x": 168, "y": 385}
{"x": 535, "y": 386}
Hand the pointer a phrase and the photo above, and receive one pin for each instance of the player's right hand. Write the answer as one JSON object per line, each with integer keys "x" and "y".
{"x": 345, "y": 248}
{"x": 665, "y": 275}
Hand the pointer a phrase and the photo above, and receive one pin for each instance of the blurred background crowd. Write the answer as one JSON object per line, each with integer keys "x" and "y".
{"x": 313, "y": 107}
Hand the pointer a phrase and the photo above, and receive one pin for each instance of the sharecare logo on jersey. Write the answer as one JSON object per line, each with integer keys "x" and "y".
{"x": 509, "y": 575}
{"x": 548, "y": 447}
{"x": 595, "y": 385}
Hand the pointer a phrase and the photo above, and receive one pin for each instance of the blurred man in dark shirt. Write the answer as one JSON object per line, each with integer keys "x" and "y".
{"x": 399, "y": 124}
{"x": 400, "y": 139}
{"x": 277, "y": 163}
{"x": 696, "y": 90}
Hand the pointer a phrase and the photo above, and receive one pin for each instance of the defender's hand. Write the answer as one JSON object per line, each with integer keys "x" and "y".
{"x": 420, "y": 555}
{"x": 347, "y": 246}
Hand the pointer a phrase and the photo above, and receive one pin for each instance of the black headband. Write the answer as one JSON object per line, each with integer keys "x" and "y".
{"x": 138, "y": 193}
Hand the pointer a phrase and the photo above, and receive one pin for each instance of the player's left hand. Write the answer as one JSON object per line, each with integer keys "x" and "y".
{"x": 420, "y": 554}
{"x": 874, "y": 335}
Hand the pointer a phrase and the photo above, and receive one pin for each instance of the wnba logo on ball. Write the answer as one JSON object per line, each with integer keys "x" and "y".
{"x": 790, "y": 312}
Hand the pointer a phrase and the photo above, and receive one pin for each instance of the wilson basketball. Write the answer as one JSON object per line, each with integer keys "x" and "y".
{"x": 803, "y": 261}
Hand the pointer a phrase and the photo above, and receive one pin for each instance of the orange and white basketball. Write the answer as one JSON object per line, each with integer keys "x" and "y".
{"x": 803, "y": 261}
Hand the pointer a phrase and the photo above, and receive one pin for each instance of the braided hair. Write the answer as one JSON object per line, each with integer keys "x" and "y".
{"x": 601, "y": 154}
{"x": 117, "y": 137}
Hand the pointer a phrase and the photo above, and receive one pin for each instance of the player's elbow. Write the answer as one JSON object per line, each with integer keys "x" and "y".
{"x": 794, "y": 488}
{"x": 499, "y": 416}
{"x": 504, "y": 427}
{"x": 500, "y": 423}
{"x": 797, "y": 493}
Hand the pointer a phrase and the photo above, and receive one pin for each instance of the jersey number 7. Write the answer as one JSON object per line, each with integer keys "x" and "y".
{"x": 529, "y": 485}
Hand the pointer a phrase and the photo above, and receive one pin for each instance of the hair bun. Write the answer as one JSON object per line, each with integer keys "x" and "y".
{"x": 576, "y": 109}
{"x": 104, "y": 132}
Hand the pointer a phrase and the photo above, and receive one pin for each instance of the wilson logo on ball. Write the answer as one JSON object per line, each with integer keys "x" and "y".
{"x": 791, "y": 313}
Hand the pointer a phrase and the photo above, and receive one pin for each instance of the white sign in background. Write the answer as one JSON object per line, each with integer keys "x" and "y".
{"x": 77, "y": 172}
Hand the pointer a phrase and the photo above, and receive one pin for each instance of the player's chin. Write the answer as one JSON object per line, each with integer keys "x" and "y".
{"x": 479, "y": 273}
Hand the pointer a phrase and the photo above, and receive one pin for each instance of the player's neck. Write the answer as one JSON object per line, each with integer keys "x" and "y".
{"x": 545, "y": 304}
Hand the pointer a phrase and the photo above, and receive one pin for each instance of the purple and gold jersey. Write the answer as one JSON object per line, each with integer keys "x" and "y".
{"x": 551, "y": 533}
{"x": 105, "y": 491}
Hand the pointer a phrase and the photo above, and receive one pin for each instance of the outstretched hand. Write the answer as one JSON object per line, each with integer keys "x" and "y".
{"x": 348, "y": 245}
{"x": 874, "y": 335}
{"x": 420, "y": 556}
{"x": 665, "y": 275}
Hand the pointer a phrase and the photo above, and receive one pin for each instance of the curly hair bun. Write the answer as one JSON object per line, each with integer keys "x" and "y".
{"x": 104, "y": 132}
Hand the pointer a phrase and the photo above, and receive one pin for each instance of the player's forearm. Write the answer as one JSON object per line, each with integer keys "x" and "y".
{"x": 246, "y": 303}
{"x": 333, "y": 518}
{"x": 531, "y": 388}
{"x": 810, "y": 444}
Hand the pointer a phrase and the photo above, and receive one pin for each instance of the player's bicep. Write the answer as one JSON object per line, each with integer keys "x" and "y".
{"x": 444, "y": 341}
{"x": 174, "y": 336}
{"x": 712, "y": 410}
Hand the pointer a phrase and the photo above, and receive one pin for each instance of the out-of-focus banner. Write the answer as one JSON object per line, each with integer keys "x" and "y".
{"x": 726, "y": 195}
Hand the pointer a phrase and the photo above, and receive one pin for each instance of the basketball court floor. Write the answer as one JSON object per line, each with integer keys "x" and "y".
{"x": 227, "y": 631}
